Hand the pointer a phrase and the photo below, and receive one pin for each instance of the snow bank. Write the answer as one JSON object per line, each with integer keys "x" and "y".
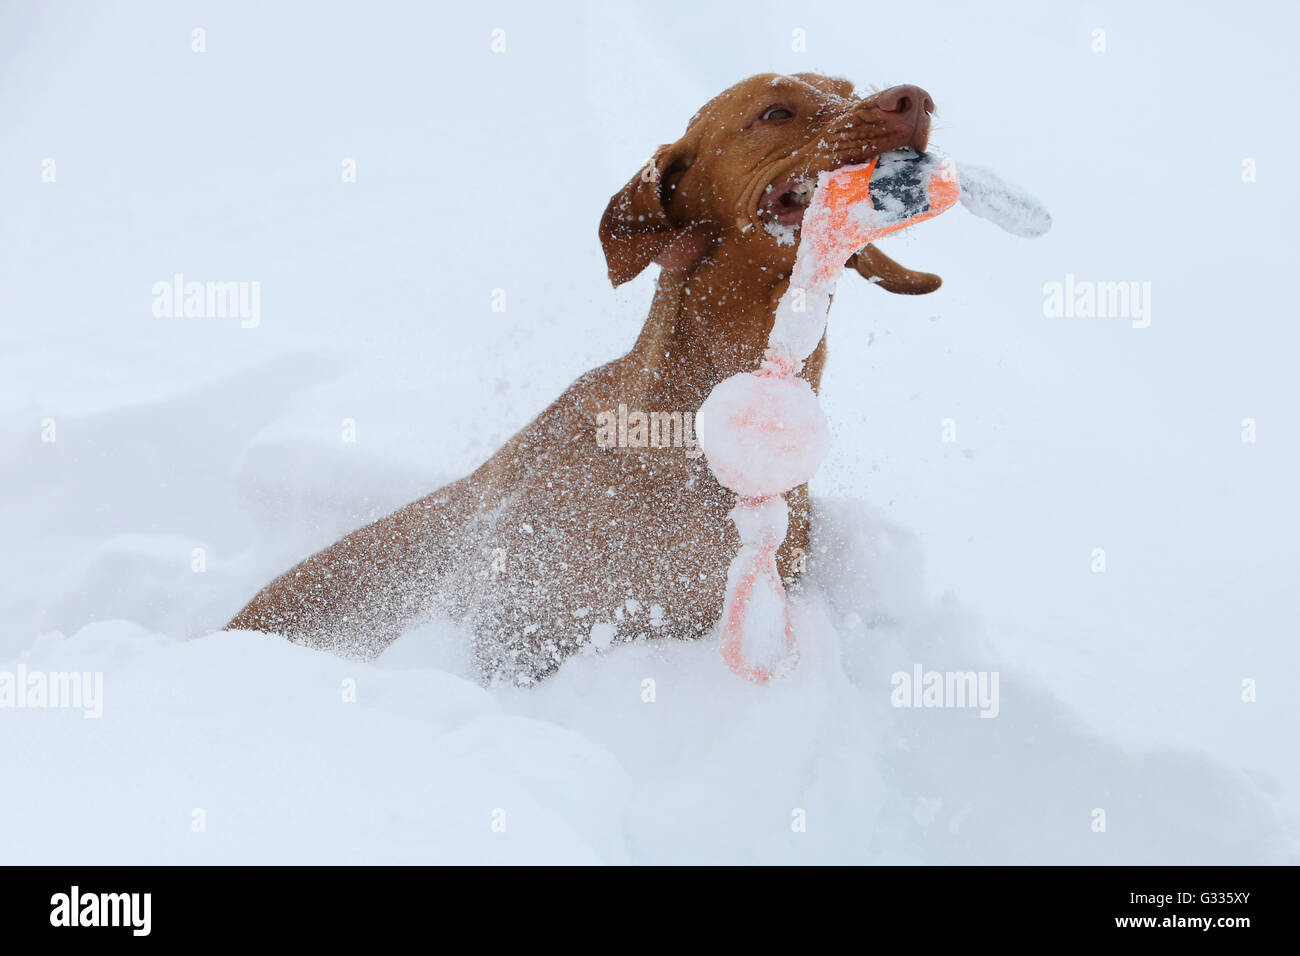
{"x": 244, "y": 748}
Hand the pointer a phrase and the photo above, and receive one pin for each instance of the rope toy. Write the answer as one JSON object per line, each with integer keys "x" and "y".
{"x": 764, "y": 432}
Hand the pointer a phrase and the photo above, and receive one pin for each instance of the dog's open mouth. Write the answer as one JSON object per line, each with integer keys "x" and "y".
{"x": 785, "y": 201}
{"x": 782, "y": 205}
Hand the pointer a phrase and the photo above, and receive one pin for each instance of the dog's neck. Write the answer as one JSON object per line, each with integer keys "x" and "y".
{"x": 712, "y": 321}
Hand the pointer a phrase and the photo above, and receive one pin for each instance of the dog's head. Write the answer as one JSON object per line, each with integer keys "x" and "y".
{"x": 747, "y": 167}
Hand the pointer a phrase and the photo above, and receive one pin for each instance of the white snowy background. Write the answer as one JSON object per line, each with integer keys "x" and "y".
{"x": 479, "y": 171}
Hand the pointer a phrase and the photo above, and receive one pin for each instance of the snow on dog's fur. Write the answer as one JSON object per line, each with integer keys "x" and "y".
{"x": 560, "y": 537}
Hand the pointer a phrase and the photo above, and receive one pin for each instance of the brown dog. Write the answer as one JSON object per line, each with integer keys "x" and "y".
{"x": 599, "y": 522}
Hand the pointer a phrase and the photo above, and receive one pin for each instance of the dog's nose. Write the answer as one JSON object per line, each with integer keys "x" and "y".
{"x": 907, "y": 100}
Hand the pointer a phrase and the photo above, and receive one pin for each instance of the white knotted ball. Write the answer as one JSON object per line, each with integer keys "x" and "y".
{"x": 762, "y": 434}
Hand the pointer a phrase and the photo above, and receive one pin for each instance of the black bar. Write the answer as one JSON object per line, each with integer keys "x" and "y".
{"x": 334, "y": 904}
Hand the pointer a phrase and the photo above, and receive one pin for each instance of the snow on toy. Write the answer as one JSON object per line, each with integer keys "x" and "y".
{"x": 764, "y": 432}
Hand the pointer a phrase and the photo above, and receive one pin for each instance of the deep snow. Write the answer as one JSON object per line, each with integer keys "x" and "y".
{"x": 479, "y": 172}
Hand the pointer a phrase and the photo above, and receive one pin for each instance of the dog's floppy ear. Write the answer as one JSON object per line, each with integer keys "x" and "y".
{"x": 874, "y": 265}
{"x": 636, "y": 229}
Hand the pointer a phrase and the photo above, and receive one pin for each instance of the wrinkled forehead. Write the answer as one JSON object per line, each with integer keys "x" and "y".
{"x": 733, "y": 107}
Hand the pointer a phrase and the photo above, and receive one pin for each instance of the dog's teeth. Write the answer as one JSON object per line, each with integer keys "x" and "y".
{"x": 803, "y": 193}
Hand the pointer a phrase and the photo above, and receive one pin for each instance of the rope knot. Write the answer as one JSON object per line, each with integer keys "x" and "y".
{"x": 779, "y": 363}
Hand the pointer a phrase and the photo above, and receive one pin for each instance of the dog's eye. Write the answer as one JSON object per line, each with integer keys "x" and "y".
{"x": 777, "y": 113}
